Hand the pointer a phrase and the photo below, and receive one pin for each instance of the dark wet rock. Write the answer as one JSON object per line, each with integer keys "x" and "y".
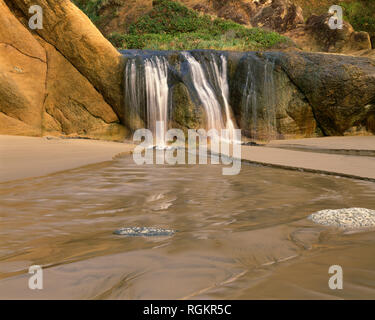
{"x": 144, "y": 232}
{"x": 267, "y": 104}
{"x": 340, "y": 89}
{"x": 185, "y": 113}
{"x": 251, "y": 144}
{"x": 281, "y": 94}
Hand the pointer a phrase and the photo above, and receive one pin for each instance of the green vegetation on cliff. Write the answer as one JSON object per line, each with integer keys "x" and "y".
{"x": 172, "y": 26}
{"x": 361, "y": 15}
{"x": 91, "y": 8}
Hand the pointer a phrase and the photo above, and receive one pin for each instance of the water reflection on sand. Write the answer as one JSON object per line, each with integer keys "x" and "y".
{"x": 243, "y": 236}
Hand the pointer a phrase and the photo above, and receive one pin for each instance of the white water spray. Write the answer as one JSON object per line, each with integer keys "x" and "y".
{"x": 206, "y": 92}
{"x": 156, "y": 75}
{"x": 249, "y": 101}
{"x": 134, "y": 83}
{"x": 221, "y": 76}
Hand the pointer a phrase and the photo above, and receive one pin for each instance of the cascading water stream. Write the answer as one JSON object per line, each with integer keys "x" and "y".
{"x": 259, "y": 100}
{"x": 146, "y": 94}
{"x": 221, "y": 76}
{"x": 249, "y": 102}
{"x": 157, "y": 90}
{"x": 209, "y": 97}
{"x": 270, "y": 97}
{"x": 134, "y": 93}
{"x": 205, "y": 93}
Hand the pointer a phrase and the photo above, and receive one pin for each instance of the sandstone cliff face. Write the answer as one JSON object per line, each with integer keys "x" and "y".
{"x": 50, "y": 84}
{"x": 23, "y": 71}
{"x": 72, "y": 104}
{"x": 72, "y": 33}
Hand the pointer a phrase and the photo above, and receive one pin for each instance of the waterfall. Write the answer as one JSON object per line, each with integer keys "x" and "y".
{"x": 205, "y": 90}
{"x": 157, "y": 90}
{"x": 146, "y": 94}
{"x": 147, "y": 91}
{"x": 270, "y": 92}
{"x": 259, "y": 100}
{"x": 221, "y": 74}
{"x": 134, "y": 94}
{"x": 249, "y": 102}
{"x": 205, "y": 93}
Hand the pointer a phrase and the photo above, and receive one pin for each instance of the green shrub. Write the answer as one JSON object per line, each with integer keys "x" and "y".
{"x": 172, "y": 26}
{"x": 255, "y": 40}
{"x": 361, "y": 15}
{"x": 167, "y": 17}
{"x": 91, "y": 8}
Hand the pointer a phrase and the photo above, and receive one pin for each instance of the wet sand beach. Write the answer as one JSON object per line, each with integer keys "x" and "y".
{"x": 237, "y": 237}
{"x": 25, "y": 157}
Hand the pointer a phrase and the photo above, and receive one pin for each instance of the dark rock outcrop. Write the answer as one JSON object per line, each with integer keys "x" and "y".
{"x": 316, "y": 35}
{"x": 275, "y": 94}
{"x": 185, "y": 114}
{"x": 277, "y": 15}
{"x": 267, "y": 104}
{"x": 340, "y": 89}
{"x": 237, "y": 11}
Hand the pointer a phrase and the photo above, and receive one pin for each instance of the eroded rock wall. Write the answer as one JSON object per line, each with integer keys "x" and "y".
{"x": 340, "y": 89}
{"x": 54, "y": 82}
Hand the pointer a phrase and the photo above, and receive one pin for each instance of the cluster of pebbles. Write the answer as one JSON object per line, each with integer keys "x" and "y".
{"x": 144, "y": 232}
{"x": 349, "y": 218}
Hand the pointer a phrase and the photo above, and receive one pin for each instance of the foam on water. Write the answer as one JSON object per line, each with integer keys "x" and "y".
{"x": 144, "y": 232}
{"x": 347, "y": 218}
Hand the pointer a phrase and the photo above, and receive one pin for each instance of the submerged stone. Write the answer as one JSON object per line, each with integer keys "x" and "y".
{"x": 144, "y": 232}
{"x": 347, "y": 218}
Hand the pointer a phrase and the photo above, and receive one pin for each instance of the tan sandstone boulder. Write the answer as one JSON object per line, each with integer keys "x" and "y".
{"x": 23, "y": 71}
{"x": 41, "y": 92}
{"x": 72, "y": 33}
{"x": 72, "y": 105}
